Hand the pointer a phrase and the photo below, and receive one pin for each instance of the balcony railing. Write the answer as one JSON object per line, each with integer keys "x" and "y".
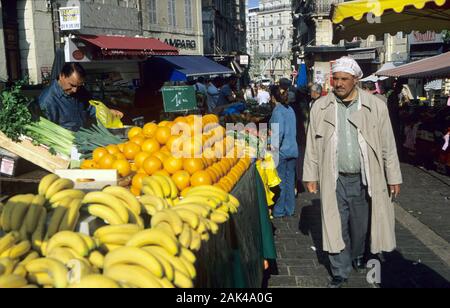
{"x": 276, "y": 8}
{"x": 323, "y": 7}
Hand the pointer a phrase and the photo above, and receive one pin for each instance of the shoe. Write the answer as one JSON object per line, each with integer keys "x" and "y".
{"x": 359, "y": 265}
{"x": 337, "y": 282}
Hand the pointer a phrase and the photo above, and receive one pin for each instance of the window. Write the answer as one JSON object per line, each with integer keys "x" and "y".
{"x": 172, "y": 13}
{"x": 188, "y": 13}
{"x": 152, "y": 11}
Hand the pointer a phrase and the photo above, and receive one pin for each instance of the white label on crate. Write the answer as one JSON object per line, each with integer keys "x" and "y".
{"x": 7, "y": 166}
{"x": 75, "y": 155}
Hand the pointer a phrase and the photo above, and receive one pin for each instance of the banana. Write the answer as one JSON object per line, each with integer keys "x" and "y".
{"x": 8, "y": 241}
{"x": 210, "y": 191}
{"x": 204, "y": 236}
{"x": 168, "y": 267}
{"x": 68, "y": 193}
{"x": 105, "y": 213}
{"x": 190, "y": 267}
{"x": 171, "y": 217}
{"x": 201, "y": 210}
{"x": 157, "y": 186}
{"x": 196, "y": 242}
{"x": 95, "y": 282}
{"x": 150, "y": 209}
{"x": 155, "y": 237}
{"x": 57, "y": 186}
{"x": 90, "y": 243}
{"x": 219, "y": 217}
{"x": 134, "y": 256}
{"x": 224, "y": 209}
{"x": 214, "y": 203}
{"x": 62, "y": 254}
{"x": 182, "y": 280}
{"x": 19, "y": 250}
{"x": 30, "y": 257}
{"x": 159, "y": 203}
{"x": 177, "y": 264}
{"x": 70, "y": 240}
{"x": 148, "y": 191}
{"x": 202, "y": 227}
{"x": 42, "y": 279}
{"x": 188, "y": 255}
{"x": 97, "y": 259}
{"x": 166, "y": 228}
{"x": 109, "y": 247}
{"x": 234, "y": 201}
{"x": 38, "y": 235}
{"x": 33, "y": 214}
{"x": 46, "y": 182}
{"x": 19, "y": 211}
{"x": 53, "y": 268}
{"x": 115, "y": 239}
{"x": 72, "y": 216}
{"x": 211, "y": 225}
{"x": 185, "y": 237}
{"x": 78, "y": 268}
{"x": 173, "y": 188}
{"x": 124, "y": 229}
{"x": 12, "y": 282}
{"x": 20, "y": 270}
{"x": 63, "y": 203}
{"x": 189, "y": 217}
{"x": 170, "y": 202}
{"x": 30, "y": 286}
{"x": 126, "y": 196}
{"x": 163, "y": 183}
{"x": 106, "y": 199}
{"x": 8, "y": 265}
{"x": 165, "y": 283}
{"x": 55, "y": 221}
{"x": 134, "y": 275}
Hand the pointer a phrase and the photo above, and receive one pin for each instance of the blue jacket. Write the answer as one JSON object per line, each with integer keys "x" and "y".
{"x": 287, "y": 131}
{"x": 70, "y": 112}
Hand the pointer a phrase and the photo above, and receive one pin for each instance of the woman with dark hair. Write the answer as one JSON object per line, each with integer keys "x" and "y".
{"x": 284, "y": 129}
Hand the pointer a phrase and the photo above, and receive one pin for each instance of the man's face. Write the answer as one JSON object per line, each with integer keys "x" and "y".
{"x": 72, "y": 84}
{"x": 344, "y": 84}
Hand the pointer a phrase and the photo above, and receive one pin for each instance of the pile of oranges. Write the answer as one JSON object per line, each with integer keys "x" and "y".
{"x": 193, "y": 150}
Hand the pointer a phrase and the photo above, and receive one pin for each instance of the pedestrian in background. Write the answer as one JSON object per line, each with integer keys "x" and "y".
{"x": 351, "y": 153}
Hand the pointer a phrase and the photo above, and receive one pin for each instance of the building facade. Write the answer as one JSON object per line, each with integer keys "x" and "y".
{"x": 275, "y": 38}
{"x": 252, "y": 31}
{"x": 224, "y": 27}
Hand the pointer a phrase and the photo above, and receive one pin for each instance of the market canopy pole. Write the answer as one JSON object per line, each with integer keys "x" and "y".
{"x": 362, "y": 18}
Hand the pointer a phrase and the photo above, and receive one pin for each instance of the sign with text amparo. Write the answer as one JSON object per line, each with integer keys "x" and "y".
{"x": 70, "y": 18}
{"x": 177, "y": 99}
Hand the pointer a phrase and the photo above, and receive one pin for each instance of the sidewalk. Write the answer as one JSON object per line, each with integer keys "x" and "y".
{"x": 302, "y": 263}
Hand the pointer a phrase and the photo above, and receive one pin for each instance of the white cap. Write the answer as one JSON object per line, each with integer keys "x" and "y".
{"x": 348, "y": 65}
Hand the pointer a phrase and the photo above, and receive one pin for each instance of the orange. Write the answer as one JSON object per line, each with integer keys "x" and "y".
{"x": 180, "y": 120}
{"x": 135, "y": 191}
{"x": 193, "y": 165}
{"x": 135, "y": 131}
{"x": 113, "y": 149}
{"x": 140, "y": 158}
{"x": 137, "y": 180}
{"x": 123, "y": 167}
{"x": 218, "y": 170}
{"x": 151, "y": 165}
{"x": 88, "y": 164}
{"x": 182, "y": 180}
{"x": 163, "y": 135}
{"x": 133, "y": 166}
{"x": 150, "y": 130}
{"x": 192, "y": 147}
{"x": 121, "y": 147}
{"x": 174, "y": 144}
{"x": 162, "y": 173}
{"x": 201, "y": 178}
{"x": 162, "y": 156}
{"x": 173, "y": 165}
{"x": 185, "y": 192}
{"x": 99, "y": 153}
{"x": 107, "y": 161}
{"x": 120, "y": 156}
{"x": 150, "y": 146}
{"x": 163, "y": 123}
{"x": 166, "y": 151}
{"x": 131, "y": 149}
{"x": 139, "y": 140}
{"x": 142, "y": 171}
{"x": 233, "y": 176}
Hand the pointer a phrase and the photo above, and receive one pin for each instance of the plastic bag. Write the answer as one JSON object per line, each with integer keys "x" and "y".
{"x": 269, "y": 175}
{"x": 105, "y": 116}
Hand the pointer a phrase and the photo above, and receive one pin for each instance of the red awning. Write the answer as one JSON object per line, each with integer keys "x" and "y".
{"x": 434, "y": 67}
{"x": 129, "y": 46}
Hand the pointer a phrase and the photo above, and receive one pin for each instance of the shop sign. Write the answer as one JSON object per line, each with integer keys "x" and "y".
{"x": 70, "y": 18}
{"x": 244, "y": 60}
{"x": 363, "y": 56}
{"x": 181, "y": 44}
{"x": 429, "y": 37}
{"x": 178, "y": 99}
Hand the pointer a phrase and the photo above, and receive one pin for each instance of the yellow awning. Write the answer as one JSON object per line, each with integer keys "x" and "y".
{"x": 362, "y": 18}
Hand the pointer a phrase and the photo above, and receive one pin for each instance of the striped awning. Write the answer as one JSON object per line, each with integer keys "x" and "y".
{"x": 362, "y": 18}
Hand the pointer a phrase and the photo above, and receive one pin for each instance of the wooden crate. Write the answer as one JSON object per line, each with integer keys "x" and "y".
{"x": 38, "y": 155}
{"x": 90, "y": 180}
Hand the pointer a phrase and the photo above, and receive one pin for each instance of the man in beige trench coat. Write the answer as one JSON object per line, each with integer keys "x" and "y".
{"x": 352, "y": 156}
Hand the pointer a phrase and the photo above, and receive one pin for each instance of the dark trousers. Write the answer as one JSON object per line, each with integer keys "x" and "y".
{"x": 353, "y": 206}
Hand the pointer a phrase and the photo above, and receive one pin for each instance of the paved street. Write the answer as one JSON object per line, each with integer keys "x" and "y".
{"x": 302, "y": 264}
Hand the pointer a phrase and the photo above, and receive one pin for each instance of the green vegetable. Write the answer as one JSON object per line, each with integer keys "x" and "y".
{"x": 87, "y": 140}
{"x": 14, "y": 112}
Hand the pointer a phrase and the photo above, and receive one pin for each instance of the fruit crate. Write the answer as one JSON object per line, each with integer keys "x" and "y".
{"x": 12, "y": 165}
{"x": 90, "y": 180}
{"x": 38, "y": 155}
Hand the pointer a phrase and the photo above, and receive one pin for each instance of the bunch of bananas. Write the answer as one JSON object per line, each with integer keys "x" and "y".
{"x": 162, "y": 187}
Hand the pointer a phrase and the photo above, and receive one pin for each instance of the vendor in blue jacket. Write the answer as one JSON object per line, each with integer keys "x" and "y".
{"x": 66, "y": 101}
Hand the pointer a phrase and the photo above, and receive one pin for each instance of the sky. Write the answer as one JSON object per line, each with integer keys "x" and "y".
{"x": 253, "y": 3}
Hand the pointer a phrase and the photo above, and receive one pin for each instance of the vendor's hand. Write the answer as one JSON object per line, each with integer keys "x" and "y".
{"x": 394, "y": 191}
{"x": 117, "y": 113}
{"x": 312, "y": 187}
